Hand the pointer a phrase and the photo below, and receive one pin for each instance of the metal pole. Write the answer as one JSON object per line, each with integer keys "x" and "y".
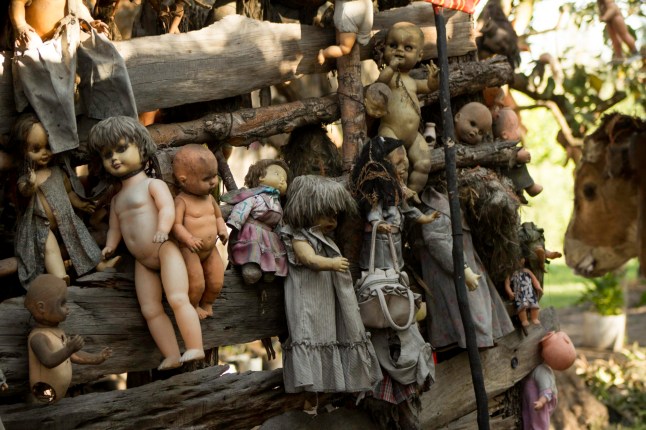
{"x": 448, "y": 136}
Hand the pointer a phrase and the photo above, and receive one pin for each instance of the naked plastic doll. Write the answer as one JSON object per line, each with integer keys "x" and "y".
{"x": 51, "y": 352}
{"x": 199, "y": 224}
{"x": 143, "y": 213}
{"x": 328, "y": 349}
{"x": 540, "y": 394}
{"x": 49, "y": 213}
{"x": 254, "y": 244}
{"x": 353, "y": 22}
{"x": 617, "y": 30}
{"x": 524, "y": 289}
{"x": 47, "y": 60}
{"x": 403, "y": 49}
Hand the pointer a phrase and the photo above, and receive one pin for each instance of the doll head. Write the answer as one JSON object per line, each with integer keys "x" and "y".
{"x": 46, "y": 300}
{"x": 506, "y": 125}
{"x": 123, "y": 144}
{"x": 30, "y": 138}
{"x": 472, "y": 123}
{"x": 271, "y": 173}
{"x": 195, "y": 169}
{"x": 557, "y": 350}
{"x": 404, "y": 40}
{"x": 317, "y": 201}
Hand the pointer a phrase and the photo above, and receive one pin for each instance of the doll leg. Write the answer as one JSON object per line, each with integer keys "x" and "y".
{"x": 522, "y": 316}
{"x": 195, "y": 277}
{"x": 346, "y": 42}
{"x": 149, "y": 295}
{"x": 622, "y": 33}
{"x": 533, "y": 315}
{"x": 616, "y": 42}
{"x": 214, "y": 278}
{"x": 174, "y": 278}
{"x": 419, "y": 157}
{"x": 54, "y": 264}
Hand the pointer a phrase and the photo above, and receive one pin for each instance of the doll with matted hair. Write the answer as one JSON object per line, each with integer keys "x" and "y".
{"x": 254, "y": 244}
{"x": 328, "y": 349}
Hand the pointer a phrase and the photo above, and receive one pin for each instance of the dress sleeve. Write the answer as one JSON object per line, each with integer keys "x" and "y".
{"x": 439, "y": 241}
{"x": 241, "y": 212}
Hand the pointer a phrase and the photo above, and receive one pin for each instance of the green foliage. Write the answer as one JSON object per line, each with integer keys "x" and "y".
{"x": 604, "y": 294}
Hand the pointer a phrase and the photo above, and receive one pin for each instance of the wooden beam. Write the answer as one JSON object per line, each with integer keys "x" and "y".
{"x": 105, "y": 311}
{"x": 488, "y": 154}
{"x": 238, "y": 55}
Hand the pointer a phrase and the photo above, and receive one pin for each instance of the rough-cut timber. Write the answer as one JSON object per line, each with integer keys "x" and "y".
{"x": 106, "y": 313}
{"x": 238, "y": 55}
{"x": 353, "y": 112}
{"x": 487, "y": 154}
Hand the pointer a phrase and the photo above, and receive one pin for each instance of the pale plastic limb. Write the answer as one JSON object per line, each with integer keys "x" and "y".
{"x": 214, "y": 279}
{"x": 54, "y": 264}
{"x": 346, "y": 42}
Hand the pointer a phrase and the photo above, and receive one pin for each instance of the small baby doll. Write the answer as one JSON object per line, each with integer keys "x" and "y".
{"x": 51, "y": 352}
{"x": 48, "y": 216}
{"x": 524, "y": 289}
{"x": 353, "y": 22}
{"x": 328, "y": 349}
{"x": 255, "y": 244}
{"x": 198, "y": 224}
{"x": 403, "y": 50}
{"x": 143, "y": 213}
{"x": 473, "y": 123}
{"x": 539, "y": 387}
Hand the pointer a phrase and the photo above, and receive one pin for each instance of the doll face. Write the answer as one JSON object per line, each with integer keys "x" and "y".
{"x": 121, "y": 159}
{"x": 38, "y": 150}
{"x": 326, "y": 223}
{"x": 54, "y": 310}
{"x": 405, "y": 45}
{"x": 507, "y": 126}
{"x": 472, "y": 123}
{"x": 202, "y": 180}
{"x": 275, "y": 177}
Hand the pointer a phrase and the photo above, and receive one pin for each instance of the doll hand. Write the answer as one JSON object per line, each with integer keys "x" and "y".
{"x": 105, "y": 353}
{"x": 25, "y": 34}
{"x": 433, "y": 71}
{"x": 471, "y": 278}
{"x": 194, "y": 244}
{"x": 540, "y": 403}
{"x": 74, "y": 343}
{"x": 511, "y": 295}
{"x": 395, "y": 62}
{"x": 88, "y": 207}
{"x": 410, "y": 194}
{"x": 160, "y": 237}
{"x": 100, "y": 26}
{"x": 384, "y": 228}
{"x": 428, "y": 218}
{"x": 174, "y": 30}
{"x": 523, "y": 156}
{"x": 4, "y": 386}
{"x": 107, "y": 252}
{"x": 224, "y": 237}
{"x": 340, "y": 264}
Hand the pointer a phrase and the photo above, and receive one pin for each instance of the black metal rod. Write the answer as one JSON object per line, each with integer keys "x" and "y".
{"x": 448, "y": 136}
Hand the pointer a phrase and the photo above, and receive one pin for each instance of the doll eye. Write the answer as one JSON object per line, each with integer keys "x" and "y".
{"x": 106, "y": 154}
{"x": 393, "y": 45}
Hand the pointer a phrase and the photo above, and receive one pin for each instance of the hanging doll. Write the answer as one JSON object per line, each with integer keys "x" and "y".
{"x": 539, "y": 387}
{"x": 524, "y": 289}
{"x": 617, "y": 30}
{"x": 353, "y": 22}
{"x": 328, "y": 349}
{"x": 48, "y": 220}
{"x": 51, "y": 352}
{"x": 199, "y": 224}
{"x": 254, "y": 244}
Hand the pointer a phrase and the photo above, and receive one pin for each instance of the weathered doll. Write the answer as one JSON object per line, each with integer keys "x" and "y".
{"x": 143, "y": 213}
{"x": 254, "y": 244}
{"x": 524, "y": 289}
{"x": 328, "y": 349}
{"x": 539, "y": 387}
{"x": 403, "y": 50}
{"x": 617, "y": 30}
{"x": 48, "y": 221}
{"x": 198, "y": 224}
{"x": 51, "y": 352}
{"x": 353, "y": 22}
{"x": 473, "y": 123}
{"x": 435, "y": 247}
{"x": 506, "y": 126}
{"x": 46, "y": 62}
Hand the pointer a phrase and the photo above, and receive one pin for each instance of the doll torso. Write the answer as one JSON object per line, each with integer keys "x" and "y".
{"x": 43, "y": 15}
{"x": 200, "y": 220}
{"x": 524, "y": 294}
{"x": 59, "y": 377}
{"x": 403, "y": 117}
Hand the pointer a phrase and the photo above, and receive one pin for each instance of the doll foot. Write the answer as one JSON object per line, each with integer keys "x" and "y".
{"x": 192, "y": 355}
{"x": 66, "y": 278}
{"x": 251, "y": 273}
{"x": 204, "y": 312}
{"x": 321, "y": 57}
{"x": 169, "y": 363}
{"x": 108, "y": 265}
{"x": 536, "y": 322}
{"x": 534, "y": 189}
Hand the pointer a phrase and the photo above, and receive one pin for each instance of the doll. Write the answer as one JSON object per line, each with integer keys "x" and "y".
{"x": 524, "y": 289}
{"x": 539, "y": 387}
{"x": 473, "y": 123}
{"x": 617, "y": 30}
{"x": 48, "y": 219}
{"x": 254, "y": 244}
{"x": 353, "y": 22}
{"x": 506, "y": 126}
{"x": 51, "y": 352}
{"x": 403, "y": 49}
{"x": 53, "y": 37}
{"x": 198, "y": 224}
{"x": 143, "y": 213}
{"x": 328, "y": 349}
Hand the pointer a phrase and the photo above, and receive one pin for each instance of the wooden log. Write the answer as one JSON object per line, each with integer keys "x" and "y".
{"x": 489, "y": 154}
{"x": 237, "y": 55}
{"x": 353, "y": 112}
{"x": 111, "y": 317}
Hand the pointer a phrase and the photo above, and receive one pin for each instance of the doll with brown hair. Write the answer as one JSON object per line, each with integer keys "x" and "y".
{"x": 254, "y": 244}
{"x": 403, "y": 50}
{"x": 142, "y": 213}
{"x": 524, "y": 289}
{"x": 199, "y": 224}
{"x": 48, "y": 221}
{"x": 328, "y": 349}
{"x": 51, "y": 352}
{"x": 617, "y": 30}
{"x": 353, "y": 22}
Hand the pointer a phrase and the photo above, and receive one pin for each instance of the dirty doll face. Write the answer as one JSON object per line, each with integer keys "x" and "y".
{"x": 275, "y": 177}
{"x": 202, "y": 180}
{"x": 38, "y": 151}
{"x": 121, "y": 159}
{"x": 404, "y": 45}
{"x": 472, "y": 124}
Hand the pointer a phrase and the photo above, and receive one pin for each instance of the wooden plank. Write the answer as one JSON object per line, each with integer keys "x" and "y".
{"x": 107, "y": 316}
{"x": 238, "y": 55}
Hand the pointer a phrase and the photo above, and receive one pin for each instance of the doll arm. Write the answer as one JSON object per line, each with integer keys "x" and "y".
{"x": 241, "y": 212}
{"x": 49, "y": 357}
{"x": 308, "y": 257}
{"x": 181, "y": 233}
{"x": 177, "y": 14}
{"x": 27, "y": 184}
{"x": 611, "y": 10}
{"x": 17, "y": 16}
{"x": 388, "y": 72}
{"x": 81, "y": 357}
{"x": 114, "y": 232}
{"x": 540, "y": 403}
{"x": 432, "y": 83}
{"x": 75, "y": 200}
{"x": 508, "y": 290}
{"x": 165, "y": 209}
{"x": 523, "y": 156}
{"x": 223, "y": 233}
{"x": 535, "y": 283}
